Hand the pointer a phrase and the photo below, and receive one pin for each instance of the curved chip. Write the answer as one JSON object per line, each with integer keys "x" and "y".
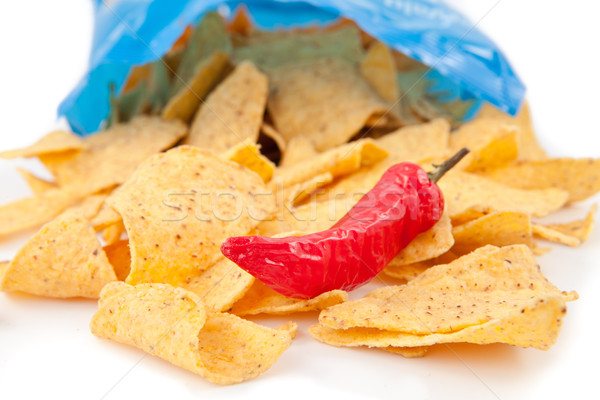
{"x": 173, "y": 324}
{"x": 64, "y": 259}
{"x": 178, "y": 208}
{"x": 233, "y": 112}
{"x": 477, "y": 288}
{"x": 247, "y": 154}
{"x": 53, "y": 142}
{"x": 261, "y": 299}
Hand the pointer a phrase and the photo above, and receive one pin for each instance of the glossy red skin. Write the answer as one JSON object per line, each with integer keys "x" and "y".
{"x": 403, "y": 204}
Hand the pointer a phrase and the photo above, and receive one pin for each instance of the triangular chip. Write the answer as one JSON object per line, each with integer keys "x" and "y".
{"x": 408, "y": 272}
{"x": 54, "y": 142}
{"x": 232, "y": 113}
{"x": 309, "y": 99}
{"x": 261, "y": 299}
{"x": 221, "y": 285}
{"x": 247, "y": 154}
{"x": 298, "y": 149}
{"x": 480, "y": 287}
{"x": 378, "y": 68}
{"x": 178, "y": 208}
{"x": 580, "y": 177}
{"x": 501, "y": 228}
{"x": 112, "y": 155}
{"x": 119, "y": 257}
{"x": 172, "y": 323}
{"x": 37, "y": 185}
{"x": 64, "y": 259}
{"x": 463, "y": 190}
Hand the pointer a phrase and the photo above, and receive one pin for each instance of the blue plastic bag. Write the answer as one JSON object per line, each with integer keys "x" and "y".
{"x": 131, "y": 32}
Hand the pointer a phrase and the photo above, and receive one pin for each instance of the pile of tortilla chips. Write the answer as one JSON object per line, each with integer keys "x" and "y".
{"x": 237, "y": 131}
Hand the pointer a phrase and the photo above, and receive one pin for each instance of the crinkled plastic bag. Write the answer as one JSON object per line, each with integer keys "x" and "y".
{"x": 465, "y": 62}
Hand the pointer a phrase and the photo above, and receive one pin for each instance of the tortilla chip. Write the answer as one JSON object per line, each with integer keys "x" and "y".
{"x": 119, "y": 257}
{"x": 470, "y": 214}
{"x": 301, "y": 191}
{"x": 185, "y": 102}
{"x": 233, "y": 112}
{"x": 49, "y": 264}
{"x": 269, "y": 131}
{"x": 113, "y": 233}
{"x": 241, "y": 23}
{"x": 529, "y": 148}
{"x": 408, "y": 272}
{"x": 106, "y": 216}
{"x": 580, "y": 229}
{"x": 427, "y": 245}
{"x": 178, "y": 208}
{"x": 418, "y": 142}
{"x": 298, "y": 149}
{"x": 535, "y": 323}
{"x": 221, "y": 285}
{"x": 463, "y": 190}
{"x": 339, "y": 161}
{"x": 118, "y": 150}
{"x": 543, "y": 232}
{"x": 37, "y": 185}
{"x": 54, "y": 142}
{"x": 261, "y": 299}
{"x": 89, "y": 206}
{"x": 501, "y": 228}
{"x": 173, "y": 324}
{"x": 407, "y": 352}
{"x": 580, "y": 177}
{"x": 378, "y": 68}
{"x": 271, "y": 50}
{"x": 492, "y": 143}
{"x": 477, "y": 288}
{"x": 33, "y": 211}
{"x": 247, "y": 154}
{"x": 308, "y": 100}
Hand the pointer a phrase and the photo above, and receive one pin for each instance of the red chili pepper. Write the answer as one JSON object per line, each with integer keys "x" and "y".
{"x": 404, "y": 203}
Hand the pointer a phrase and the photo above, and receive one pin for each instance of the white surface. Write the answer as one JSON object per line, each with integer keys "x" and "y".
{"x": 46, "y": 349}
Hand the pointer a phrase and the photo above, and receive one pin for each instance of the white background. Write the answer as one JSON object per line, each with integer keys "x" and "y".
{"x": 46, "y": 349}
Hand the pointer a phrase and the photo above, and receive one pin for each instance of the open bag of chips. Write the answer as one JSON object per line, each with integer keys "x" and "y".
{"x": 228, "y": 129}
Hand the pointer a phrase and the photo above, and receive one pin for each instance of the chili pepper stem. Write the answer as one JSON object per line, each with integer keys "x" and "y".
{"x": 444, "y": 167}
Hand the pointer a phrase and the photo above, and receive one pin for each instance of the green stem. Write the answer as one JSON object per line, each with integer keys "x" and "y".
{"x": 444, "y": 167}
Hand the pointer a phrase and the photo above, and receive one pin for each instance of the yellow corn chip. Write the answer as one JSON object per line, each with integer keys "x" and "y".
{"x": 529, "y": 148}
{"x": 113, "y": 233}
{"x": 37, "y": 185}
{"x": 492, "y": 143}
{"x": 112, "y": 155}
{"x": 298, "y": 149}
{"x": 261, "y": 299}
{"x": 178, "y": 208}
{"x": 408, "y": 272}
{"x": 407, "y": 352}
{"x": 119, "y": 257}
{"x": 463, "y": 190}
{"x": 417, "y": 142}
{"x": 89, "y": 206}
{"x": 247, "y": 154}
{"x": 33, "y": 211}
{"x": 580, "y": 177}
{"x": 184, "y": 103}
{"x": 301, "y": 191}
{"x": 54, "y": 142}
{"x": 221, "y": 285}
{"x": 543, "y": 232}
{"x": 378, "y": 68}
{"x": 106, "y": 216}
{"x": 269, "y": 131}
{"x": 535, "y": 323}
{"x": 501, "y": 228}
{"x": 172, "y": 323}
{"x": 308, "y": 100}
{"x": 470, "y": 214}
{"x": 339, "y": 161}
{"x": 233, "y": 112}
{"x": 580, "y": 229}
{"x": 427, "y": 245}
{"x": 483, "y": 286}
{"x": 64, "y": 259}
